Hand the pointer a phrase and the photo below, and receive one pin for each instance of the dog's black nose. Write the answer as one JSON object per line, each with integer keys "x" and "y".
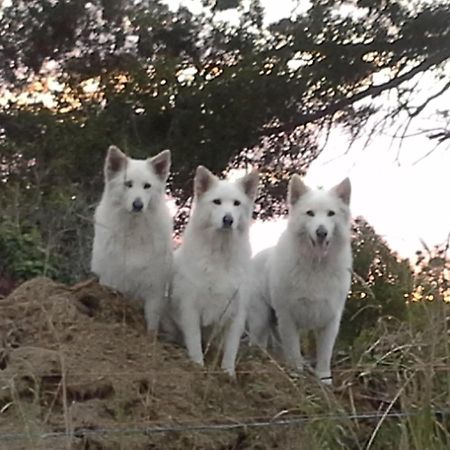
{"x": 137, "y": 205}
{"x": 227, "y": 221}
{"x": 321, "y": 233}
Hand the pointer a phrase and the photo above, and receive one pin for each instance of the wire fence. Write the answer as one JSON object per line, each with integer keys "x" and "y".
{"x": 192, "y": 427}
{"x": 155, "y": 427}
{"x": 357, "y": 370}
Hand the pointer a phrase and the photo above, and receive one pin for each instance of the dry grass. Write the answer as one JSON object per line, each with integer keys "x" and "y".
{"x": 77, "y": 359}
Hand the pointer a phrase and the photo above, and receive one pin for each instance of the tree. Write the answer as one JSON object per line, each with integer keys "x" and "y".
{"x": 254, "y": 94}
{"x": 433, "y": 273}
{"x": 78, "y": 75}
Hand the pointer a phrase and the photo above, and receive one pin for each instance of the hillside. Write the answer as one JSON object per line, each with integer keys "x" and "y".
{"x": 78, "y": 371}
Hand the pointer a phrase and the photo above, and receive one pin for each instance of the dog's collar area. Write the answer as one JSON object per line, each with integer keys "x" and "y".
{"x": 326, "y": 378}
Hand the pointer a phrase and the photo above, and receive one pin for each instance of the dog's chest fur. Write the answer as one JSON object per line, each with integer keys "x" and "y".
{"x": 312, "y": 291}
{"x": 216, "y": 273}
{"x": 131, "y": 253}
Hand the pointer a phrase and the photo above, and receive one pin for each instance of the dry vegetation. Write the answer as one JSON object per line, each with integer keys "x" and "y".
{"x": 78, "y": 371}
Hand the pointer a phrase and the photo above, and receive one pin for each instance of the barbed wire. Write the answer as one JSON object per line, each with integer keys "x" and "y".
{"x": 191, "y": 427}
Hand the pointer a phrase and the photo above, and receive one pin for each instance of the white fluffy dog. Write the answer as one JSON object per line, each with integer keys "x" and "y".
{"x": 132, "y": 250}
{"x": 210, "y": 282}
{"x": 306, "y": 277}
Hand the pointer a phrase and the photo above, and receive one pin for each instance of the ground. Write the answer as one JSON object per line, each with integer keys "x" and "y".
{"x": 79, "y": 371}
{"x": 78, "y": 358}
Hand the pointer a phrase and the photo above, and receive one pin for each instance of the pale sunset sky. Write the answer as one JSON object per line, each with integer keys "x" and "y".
{"x": 404, "y": 201}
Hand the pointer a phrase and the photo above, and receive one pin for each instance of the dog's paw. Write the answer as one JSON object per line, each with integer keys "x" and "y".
{"x": 151, "y": 325}
{"x": 152, "y": 335}
{"x": 328, "y": 381}
{"x": 230, "y": 371}
{"x": 325, "y": 377}
{"x": 198, "y": 360}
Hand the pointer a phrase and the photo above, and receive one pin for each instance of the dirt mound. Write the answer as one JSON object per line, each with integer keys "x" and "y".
{"x": 79, "y": 371}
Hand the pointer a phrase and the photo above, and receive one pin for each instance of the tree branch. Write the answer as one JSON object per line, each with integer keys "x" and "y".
{"x": 372, "y": 91}
{"x": 421, "y": 107}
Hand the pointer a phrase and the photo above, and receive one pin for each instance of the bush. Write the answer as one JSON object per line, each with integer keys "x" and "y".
{"x": 23, "y": 254}
{"x": 45, "y": 234}
{"x": 382, "y": 283}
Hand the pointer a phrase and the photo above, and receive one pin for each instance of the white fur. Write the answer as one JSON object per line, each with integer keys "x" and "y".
{"x": 211, "y": 266}
{"x": 132, "y": 250}
{"x": 305, "y": 279}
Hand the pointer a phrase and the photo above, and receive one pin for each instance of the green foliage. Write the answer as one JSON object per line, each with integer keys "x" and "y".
{"x": 382, "y": 284}
{"x": 432, "y": 281}
{"x": 44, "y": 234}
{"x": 22, "y": 253}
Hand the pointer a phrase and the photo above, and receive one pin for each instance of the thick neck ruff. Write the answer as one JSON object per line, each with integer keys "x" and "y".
{"x": 222, "y": 246}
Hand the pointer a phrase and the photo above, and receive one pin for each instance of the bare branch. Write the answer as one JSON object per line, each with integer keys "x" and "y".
{"x": 421, "y": 107}
{"x": 372, "y": 91}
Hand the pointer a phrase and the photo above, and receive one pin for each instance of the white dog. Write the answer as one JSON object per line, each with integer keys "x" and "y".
{"x": 132, "y": 250}
{"x": 306, "y": 277}
{"x": 211, "y": 266}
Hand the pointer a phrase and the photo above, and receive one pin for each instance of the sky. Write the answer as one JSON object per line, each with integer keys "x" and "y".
{"x": 404, "y": 200}
{"x": 274, "y": 9}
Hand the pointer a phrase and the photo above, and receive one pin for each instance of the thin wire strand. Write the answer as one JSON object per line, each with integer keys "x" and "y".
{"x": 155, "y": 371}
{"x": 190, "y": 427}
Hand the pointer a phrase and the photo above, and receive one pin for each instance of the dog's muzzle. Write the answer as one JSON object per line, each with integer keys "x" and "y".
{"x": 227, "y": 221}
{"x": 321, "y": 235}
{"x": 320, "y": 242}
{"x": 137, "y": 205}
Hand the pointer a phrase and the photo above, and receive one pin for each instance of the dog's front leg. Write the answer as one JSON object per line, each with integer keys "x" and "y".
{"x": 290, "y": 341}
{"x": 232, "y": 340}
{"x": 152, "y": 310}
{"x": 326, "y": 338}
{"x": 191, "y": 328}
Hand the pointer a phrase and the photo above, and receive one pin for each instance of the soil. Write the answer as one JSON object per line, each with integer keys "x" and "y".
{"x": 79, "y": 371}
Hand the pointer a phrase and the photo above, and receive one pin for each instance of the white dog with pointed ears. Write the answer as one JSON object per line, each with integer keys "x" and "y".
{"x": 132, "y": 250}
{"x": 306, "y": 277}
{"x": 211, "y": 267}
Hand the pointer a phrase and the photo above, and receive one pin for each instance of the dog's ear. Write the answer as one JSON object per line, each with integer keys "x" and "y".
{"x": 249, "y": 184}
{"x": 343, "y": 190}
{"x": 296, "y": 189}
{"x": 203, "y": 180}
{"x": 115, "y": 162}
{"x": 161, "y": 164}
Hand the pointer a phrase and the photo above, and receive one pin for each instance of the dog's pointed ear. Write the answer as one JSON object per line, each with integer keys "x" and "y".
{"x": 296, "y": 189}
{"x": 203, "y": 180}
{"x": 115, "y": 162}
{"x": 249, "y": 184}
{"x": 343, "y": 190}
{"x": 161, "y": 164}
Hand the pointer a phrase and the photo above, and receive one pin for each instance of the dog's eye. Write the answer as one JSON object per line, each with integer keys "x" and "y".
{"x": 128, "y": 184}
{"x": 310, "y": 213}
{"x": 147, "y": 185}
{"x": 331, "y": 213}
{"x": 236, "y": 203}
{"x": 217, "y": 201}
